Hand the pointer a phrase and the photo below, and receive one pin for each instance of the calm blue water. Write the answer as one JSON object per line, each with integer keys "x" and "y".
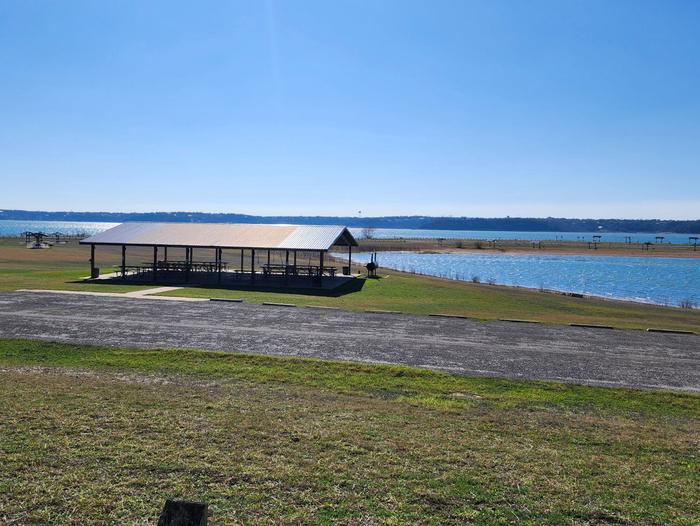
{"x": 666, "y": 281}
{"x": 15, "y": 228}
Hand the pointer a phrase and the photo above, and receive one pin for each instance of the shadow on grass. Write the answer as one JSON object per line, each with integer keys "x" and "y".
{"x": 354, "y": 285}
{"x": 349, "y": 287}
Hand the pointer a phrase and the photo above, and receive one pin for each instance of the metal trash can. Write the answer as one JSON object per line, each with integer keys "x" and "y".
{"x": 95, "y": 273}
{"x": 346, "y": 271}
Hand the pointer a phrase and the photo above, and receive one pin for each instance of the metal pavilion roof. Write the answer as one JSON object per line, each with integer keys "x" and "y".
{"x": 225, "y": 235}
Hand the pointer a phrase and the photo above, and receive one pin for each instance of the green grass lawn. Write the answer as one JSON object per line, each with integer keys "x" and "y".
{"x": 93, "y": 435}
{"x": 62, "y": 267}
{"x": 58, "y": 268}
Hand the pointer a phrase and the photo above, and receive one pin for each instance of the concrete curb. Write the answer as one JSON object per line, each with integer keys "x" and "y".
{"x": 226, "y": 300}
{"x": 374, "y": 311}
{"x": 671, "y": 331}
{"x": 320, "y": 307}
{"x": 272, "y": 304}
{"x": 590, "y": 326}
{"x": 438, "y": 315}
{"x": 515, "y": 320}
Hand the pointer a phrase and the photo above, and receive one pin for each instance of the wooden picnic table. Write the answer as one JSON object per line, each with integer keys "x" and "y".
{"x": 297, "y": 270}
{"x": 283, "y": 270}
{"x": 133, "y": 269}
{"x": 192, "y": 266}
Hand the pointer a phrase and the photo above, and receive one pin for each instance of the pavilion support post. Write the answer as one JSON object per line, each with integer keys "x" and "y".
{"x": 286, "y": 266}
{"x": 123, "y": 261}
{"x": 92, "y": 260}
{"x": 268, "y": 258}
{"x": 242, "y": 252}
{"x": 218, "y": 265}
{"x": 155, "y": 263}
{"x": 349, "y": 260}
{"x": 165, "y": 254}
{"x": 187, "y": 264}
{"x": 252, "y": 264}
{"x": 320, "y": 268}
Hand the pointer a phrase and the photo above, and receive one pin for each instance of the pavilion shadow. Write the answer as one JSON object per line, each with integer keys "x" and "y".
{"x": 353, "y": 285}
{"x": 348, "y": 286}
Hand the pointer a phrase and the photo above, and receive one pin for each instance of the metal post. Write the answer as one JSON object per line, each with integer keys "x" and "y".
{"x": 187, "y": 264}
{"x": 268, "y": 258}
{"x": 218, "y": 253}
{"x": 349, "y": 260}
{"x": 92, "y": 260}
{"x": 286, "y": 265}
{"x": 155, "y": 263}
{"x": 165, "y": 256}
{"x": 295, "y": 259}
{"x": 320, "y": 269}
{"x": 252, "y": 264}
{"x": 242, "y": 251}
{"x": 123, "y": 261}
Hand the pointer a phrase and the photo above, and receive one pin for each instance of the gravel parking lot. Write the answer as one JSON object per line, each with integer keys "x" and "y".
{"x": 499, "y": 349}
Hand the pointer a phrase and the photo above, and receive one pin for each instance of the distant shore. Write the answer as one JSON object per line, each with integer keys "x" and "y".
{"x": 515, "y": 247}
{"x": 484, "y": 224}
{"x": 583, "y": 252}
{"x": 509, "y": 247}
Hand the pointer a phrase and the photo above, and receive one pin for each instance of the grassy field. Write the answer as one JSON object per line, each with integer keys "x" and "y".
{"x": 102, "y": 436}
{"x": 62, "y": 267}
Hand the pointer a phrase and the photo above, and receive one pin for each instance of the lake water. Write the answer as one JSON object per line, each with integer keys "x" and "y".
{"x": 15, "y": 228}
{"x": 665, "y": 281}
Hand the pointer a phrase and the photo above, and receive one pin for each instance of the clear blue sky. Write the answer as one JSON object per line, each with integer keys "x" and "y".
{"x": 563, "y": 108}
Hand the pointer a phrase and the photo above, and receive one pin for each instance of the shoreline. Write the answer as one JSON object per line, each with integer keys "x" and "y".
{"x": 677, "y": 305}
{"x": 501, "y": 247}
{"x": 564, "y": 252}
{"x": 560, "y": 248}
{"x": 557, "y": 292}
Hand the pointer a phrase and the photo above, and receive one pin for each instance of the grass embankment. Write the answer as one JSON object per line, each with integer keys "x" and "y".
{"x": 425, "y": 295}
{"x": 102, "y": 436}
{"x": 62, "y": 266}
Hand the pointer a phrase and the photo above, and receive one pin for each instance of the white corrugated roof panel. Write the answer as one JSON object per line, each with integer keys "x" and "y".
{"x": 225, "y": 235}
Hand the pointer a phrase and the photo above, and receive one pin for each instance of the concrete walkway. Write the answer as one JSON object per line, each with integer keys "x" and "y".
{"x": 149, "y": 292}
{"x": 142, "y": 294}
{"x": 501, "y": 349}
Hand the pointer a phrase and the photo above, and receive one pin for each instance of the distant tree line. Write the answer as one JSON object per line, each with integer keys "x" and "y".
{"x": 517, "y": 224}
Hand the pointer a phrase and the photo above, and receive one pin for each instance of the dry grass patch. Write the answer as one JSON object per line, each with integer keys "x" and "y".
{"x": 99, "y": 436}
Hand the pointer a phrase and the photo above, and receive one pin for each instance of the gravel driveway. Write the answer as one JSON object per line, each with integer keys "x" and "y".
{"x": 499, "y": 349}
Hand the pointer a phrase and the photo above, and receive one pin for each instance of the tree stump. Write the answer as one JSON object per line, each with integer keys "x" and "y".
{"x": 183, "y": 513}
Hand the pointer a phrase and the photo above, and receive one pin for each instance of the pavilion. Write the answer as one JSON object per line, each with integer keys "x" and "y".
{"x": 285, "y": 242}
